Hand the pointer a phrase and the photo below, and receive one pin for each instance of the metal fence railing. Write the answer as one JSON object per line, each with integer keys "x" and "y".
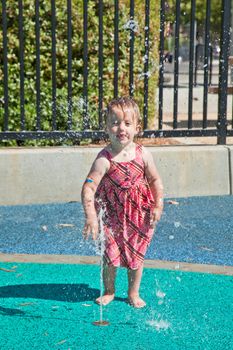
{"x": 167, "y": 123}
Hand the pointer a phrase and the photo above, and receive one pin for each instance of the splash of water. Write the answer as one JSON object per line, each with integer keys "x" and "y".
{"x": 160, "y": 294}
{"x": 159, "y": 325}
{"x": 131, "y": 25}
{"x": 143, "y": 74}
{"x": 100, "y": 245}
{"x": 75, "y": 106}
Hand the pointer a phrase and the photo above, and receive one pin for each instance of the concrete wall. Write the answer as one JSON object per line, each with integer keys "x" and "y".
{"x": 50, "y": 175}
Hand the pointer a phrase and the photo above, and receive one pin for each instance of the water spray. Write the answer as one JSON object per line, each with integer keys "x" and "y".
{"x": 100, "y": 249}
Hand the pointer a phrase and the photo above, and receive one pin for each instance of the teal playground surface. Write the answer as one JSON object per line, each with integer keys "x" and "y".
{"x": 52, "y": 305}
{"x": 46, "y": 306}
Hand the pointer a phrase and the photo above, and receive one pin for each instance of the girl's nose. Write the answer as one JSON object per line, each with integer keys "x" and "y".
{"x": 122, "y": 125}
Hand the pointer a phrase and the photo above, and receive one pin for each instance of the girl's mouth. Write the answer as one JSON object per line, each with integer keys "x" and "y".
{"x": 121, "y": 137}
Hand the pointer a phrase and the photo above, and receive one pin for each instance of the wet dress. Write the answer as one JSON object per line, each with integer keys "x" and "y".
{"x": 126, "y": 199}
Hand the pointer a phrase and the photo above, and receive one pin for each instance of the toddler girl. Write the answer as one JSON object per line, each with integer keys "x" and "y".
{"x": 125, "y": 183}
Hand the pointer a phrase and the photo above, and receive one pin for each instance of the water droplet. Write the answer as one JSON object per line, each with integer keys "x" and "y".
{"x": 177, "y": 224}
{"x": 160, "y": 294}
{"x": 131, "y": 25}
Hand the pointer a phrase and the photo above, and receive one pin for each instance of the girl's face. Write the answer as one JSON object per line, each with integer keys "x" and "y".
{"x": 122, "y": 126}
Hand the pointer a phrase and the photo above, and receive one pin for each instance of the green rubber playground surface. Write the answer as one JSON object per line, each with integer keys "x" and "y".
{"x": 51, "y": 306}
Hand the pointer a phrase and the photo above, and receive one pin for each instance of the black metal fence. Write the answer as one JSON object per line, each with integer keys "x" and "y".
{"x": 164, "y": 127}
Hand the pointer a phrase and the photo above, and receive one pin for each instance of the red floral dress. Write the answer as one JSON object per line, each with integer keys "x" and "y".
{"x": 126, "y": 199}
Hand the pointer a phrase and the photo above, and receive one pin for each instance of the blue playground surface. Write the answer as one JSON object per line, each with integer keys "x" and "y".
{"x": 197, "y": 230}
{"x": 52, "y": 306}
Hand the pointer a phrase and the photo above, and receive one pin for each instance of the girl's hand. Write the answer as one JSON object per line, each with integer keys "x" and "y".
{"x": 91, "y": 227}
{"x": 155, "y": 216}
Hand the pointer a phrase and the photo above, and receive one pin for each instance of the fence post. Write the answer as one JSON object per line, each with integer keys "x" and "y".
{"x": 223, "y": 72}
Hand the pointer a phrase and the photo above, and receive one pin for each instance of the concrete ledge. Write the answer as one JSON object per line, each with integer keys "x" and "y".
{"x": 50, "y": 175}
{"x": 230, "y": 149}
{"x": 95, "y": 260}
{"x": 193, "y": 170}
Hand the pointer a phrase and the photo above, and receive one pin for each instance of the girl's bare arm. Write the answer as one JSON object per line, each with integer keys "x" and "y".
{"x": 155, "y": 184}
{"x": 98, "y": 169}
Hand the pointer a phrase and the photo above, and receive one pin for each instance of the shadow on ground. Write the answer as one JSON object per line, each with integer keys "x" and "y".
{"x": 72, "y": 293}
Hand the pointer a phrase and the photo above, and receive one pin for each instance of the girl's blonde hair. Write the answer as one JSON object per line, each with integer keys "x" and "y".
{"x": 122, "y": 102}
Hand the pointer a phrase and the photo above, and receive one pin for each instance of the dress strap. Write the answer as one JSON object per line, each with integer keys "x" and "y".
{"x": 138, "y": 150}
{"x": 104, "y": 153}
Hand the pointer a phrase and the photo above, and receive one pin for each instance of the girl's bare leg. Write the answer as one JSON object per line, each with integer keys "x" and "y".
{"x": 109, "y": 275}
{"x": 134, "y": 279}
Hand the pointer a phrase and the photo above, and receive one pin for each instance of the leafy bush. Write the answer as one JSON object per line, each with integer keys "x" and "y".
{"x": 77, "y": 61}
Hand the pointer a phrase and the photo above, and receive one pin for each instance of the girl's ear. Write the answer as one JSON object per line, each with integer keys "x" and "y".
{"x": 139, "y": 129}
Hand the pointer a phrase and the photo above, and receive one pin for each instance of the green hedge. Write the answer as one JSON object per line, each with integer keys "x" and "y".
{"x": 77, "y": 60}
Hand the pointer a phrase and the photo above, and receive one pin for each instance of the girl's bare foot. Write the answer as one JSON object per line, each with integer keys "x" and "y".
{"x": 105, "y": 299}
{"x": 136, "y": 301}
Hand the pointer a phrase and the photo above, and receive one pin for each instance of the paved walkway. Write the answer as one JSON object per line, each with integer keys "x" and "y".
{"x": 197, "y": 101}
